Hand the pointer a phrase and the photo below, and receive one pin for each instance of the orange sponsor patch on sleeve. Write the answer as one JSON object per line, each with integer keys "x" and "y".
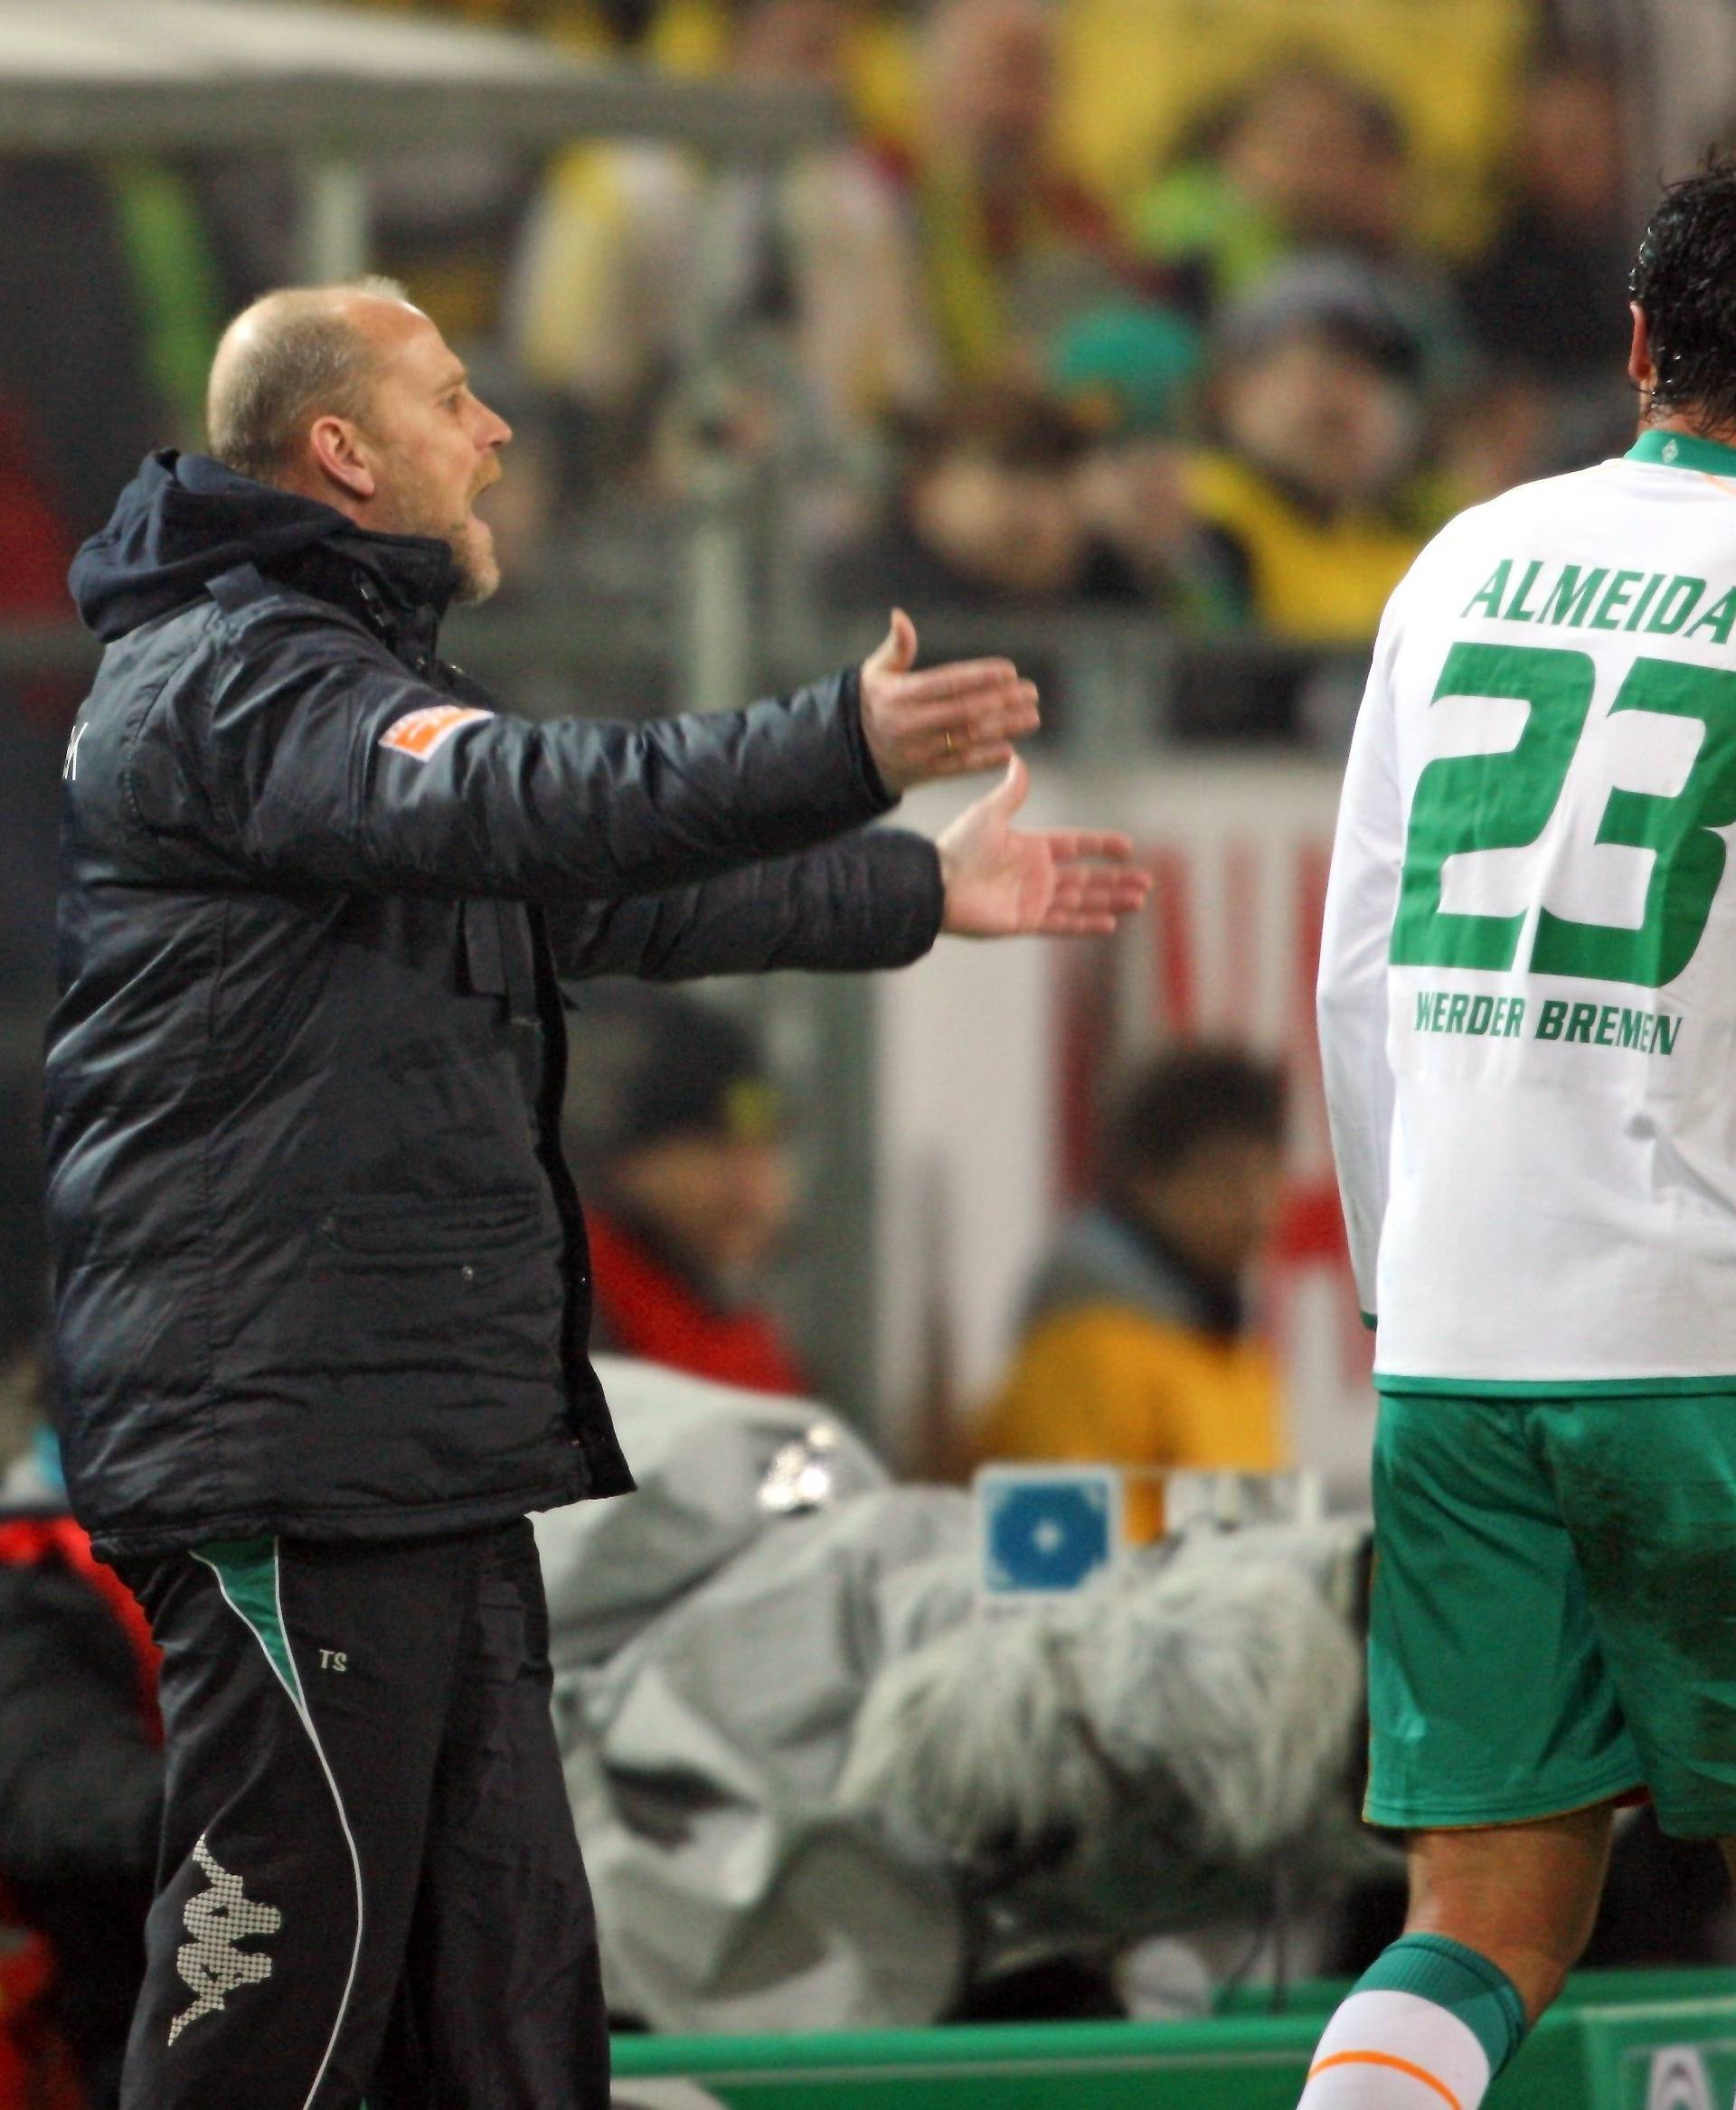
{"x": 422, "y": 733}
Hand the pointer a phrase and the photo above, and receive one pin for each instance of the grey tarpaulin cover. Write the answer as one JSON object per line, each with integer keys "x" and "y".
{"x": 816, "y": 1786}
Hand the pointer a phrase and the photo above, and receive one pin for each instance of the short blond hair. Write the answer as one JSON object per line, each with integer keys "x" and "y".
{"x": 296, "y": 352}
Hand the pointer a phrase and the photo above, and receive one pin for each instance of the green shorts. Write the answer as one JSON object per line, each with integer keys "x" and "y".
{"x": 1553, "y": 1616}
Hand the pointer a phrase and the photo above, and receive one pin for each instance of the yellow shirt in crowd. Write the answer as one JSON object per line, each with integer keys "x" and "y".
{"x": 1315, "y": 579}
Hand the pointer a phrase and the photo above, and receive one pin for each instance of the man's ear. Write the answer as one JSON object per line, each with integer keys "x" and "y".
{"x": 340, "y": 456}
{"x": 1641, "y": 371}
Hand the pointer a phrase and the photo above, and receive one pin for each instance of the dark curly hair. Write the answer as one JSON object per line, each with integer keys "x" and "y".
{"x": 1684, "y": 280}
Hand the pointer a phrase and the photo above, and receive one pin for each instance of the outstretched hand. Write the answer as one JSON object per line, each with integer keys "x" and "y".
{"x": 945, "y": 722}
{"x": 1004, "y": 882}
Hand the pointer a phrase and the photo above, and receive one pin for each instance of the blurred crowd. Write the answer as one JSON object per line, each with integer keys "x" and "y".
{"x": 1234, "y": 383}
{"x": 1238, "y": 392}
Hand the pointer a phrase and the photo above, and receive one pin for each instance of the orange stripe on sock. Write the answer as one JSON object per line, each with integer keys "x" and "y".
{"x": 1402, "y": 2066}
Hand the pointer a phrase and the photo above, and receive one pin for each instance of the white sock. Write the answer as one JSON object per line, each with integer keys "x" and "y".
{"x": 1396, "y": 2052}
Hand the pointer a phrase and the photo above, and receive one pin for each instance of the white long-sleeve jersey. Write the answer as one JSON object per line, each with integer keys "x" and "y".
{"x": 1527, "y": 995}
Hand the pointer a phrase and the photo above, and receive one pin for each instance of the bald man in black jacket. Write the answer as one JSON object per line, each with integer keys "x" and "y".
{"x": 321, "y": 1279}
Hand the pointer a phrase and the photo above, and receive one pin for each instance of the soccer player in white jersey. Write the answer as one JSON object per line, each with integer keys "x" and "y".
{"x": 1528, "y": 1021}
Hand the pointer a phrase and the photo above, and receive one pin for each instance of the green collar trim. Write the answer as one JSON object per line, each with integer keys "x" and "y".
{"x": 1685, "y": 450}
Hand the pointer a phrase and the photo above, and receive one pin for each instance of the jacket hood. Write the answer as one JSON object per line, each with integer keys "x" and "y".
{"x": 186, "y": 519}
{"x": 1105, "y": 1257}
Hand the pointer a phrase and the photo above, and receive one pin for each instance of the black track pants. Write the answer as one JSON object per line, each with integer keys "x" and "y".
{"x": 370, "y": 1891}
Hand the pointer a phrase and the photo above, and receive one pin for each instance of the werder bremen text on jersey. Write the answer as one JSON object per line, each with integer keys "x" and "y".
{"x": 1513, "y": 1018}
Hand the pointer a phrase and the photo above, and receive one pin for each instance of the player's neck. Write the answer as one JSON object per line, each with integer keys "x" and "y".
{"x": 1688, "y": 425}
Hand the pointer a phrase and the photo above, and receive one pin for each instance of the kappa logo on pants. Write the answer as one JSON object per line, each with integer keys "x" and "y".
{"x": 219, "y": 1919}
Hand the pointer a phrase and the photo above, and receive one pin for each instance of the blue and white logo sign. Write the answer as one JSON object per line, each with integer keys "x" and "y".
{"x": 1045, "y": 1530}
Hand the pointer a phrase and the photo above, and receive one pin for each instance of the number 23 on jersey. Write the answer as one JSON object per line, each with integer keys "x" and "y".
{"x": 1505, "y": 801}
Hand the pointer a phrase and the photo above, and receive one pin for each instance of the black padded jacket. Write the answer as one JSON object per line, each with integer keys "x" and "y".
{"x": 319, "y": 1269}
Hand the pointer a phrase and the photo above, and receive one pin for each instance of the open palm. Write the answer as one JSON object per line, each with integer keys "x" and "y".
{"x": 1004, "y": 882}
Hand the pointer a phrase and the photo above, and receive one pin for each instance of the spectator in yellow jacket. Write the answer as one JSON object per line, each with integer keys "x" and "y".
{"x": 1136, "y": 1349}
{"x": 1321, "y": 399}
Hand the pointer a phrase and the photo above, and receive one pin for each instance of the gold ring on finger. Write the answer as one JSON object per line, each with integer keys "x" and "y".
{"x": 948, "y": 738}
